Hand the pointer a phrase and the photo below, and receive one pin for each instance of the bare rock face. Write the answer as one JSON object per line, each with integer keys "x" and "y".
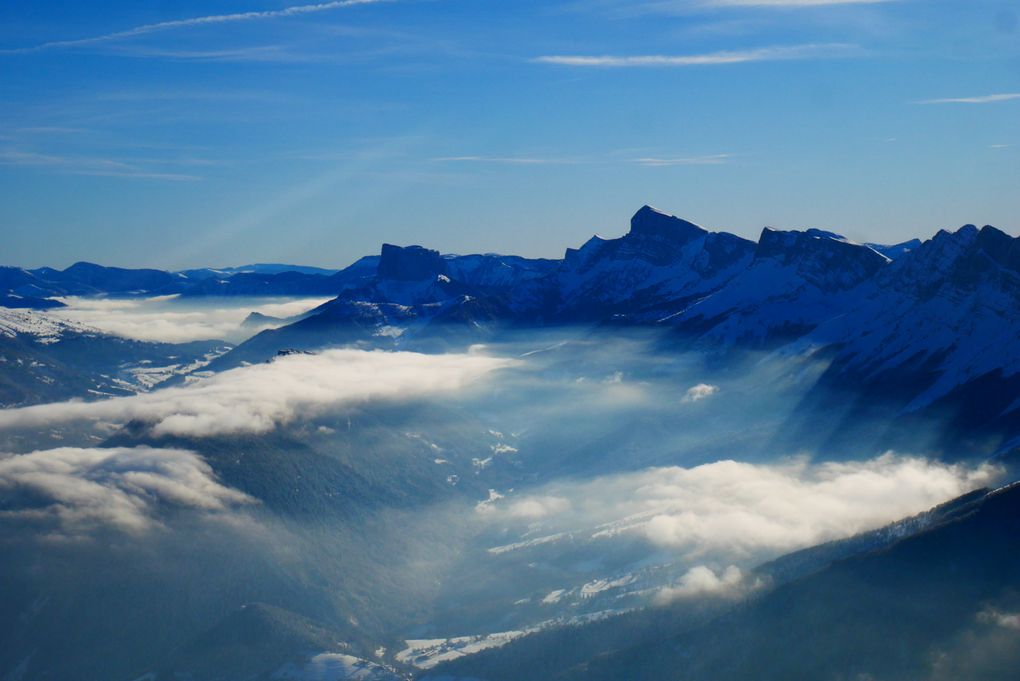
{"x": 824, "y": 259}
{"x": 650, "y": 222}
{"x": 410, "y": 263}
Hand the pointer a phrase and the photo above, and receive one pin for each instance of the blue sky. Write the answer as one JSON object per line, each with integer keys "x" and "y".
{"x": 177, "y": 134}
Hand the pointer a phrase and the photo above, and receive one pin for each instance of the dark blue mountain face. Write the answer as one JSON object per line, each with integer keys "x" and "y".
{"x": 119, "y": 280}
{"x": 16, "y": 301}
{"x": 932, "y": 338}
{"x": 88, "y": 279}
{"x": 820, "y": 258}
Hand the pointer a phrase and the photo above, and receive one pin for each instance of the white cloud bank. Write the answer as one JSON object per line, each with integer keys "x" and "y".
{"x": 1006, "y": 620}
{"x": 82, "y": 489}
{"x": 169, "y": 319}
{"x": 703, "y": 581}
{"x": 258, "y": 398}
{"x": 729, "y": 511}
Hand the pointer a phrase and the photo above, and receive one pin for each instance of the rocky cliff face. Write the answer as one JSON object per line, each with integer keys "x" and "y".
{"x": 410, "y": 263}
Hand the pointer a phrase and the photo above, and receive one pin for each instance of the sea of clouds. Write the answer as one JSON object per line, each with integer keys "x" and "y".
{"x": 260, "y": 397}
{"x": 169, "y": 319}
{"x": 724, "y": 517}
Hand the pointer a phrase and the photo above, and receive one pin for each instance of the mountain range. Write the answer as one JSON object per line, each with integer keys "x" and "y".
{"x": 928, "y": 330}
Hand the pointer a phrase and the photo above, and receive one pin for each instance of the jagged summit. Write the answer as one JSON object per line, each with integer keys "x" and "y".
{"x": 828, "y": 248}
{"x": 824, "y": 234}
{"x": 894, "y": 251}
{"x": 257, "y": 319}
{"x": 968, "y": 254}
{"x": 410, "y": 263}
{"x": 1000, "y": 247}
{"x": 652, "y": 222}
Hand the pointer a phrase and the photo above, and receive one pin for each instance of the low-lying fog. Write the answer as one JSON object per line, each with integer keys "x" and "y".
{"x": 171, "y": 319}
{"x": 548, "y": 477}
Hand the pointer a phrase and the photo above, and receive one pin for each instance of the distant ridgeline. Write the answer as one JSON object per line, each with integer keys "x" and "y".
{"x": 925, "y": 326}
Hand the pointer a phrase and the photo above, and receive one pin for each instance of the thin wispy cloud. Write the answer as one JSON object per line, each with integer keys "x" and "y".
{"x": 504, "y": 160}
{"x": 259, "y": 53}
{"x": 982, "y": 99}
{"x": 49, "y": 130}
{"x": 709, "y": 160}
{"x": 213, "y": 19}
{"x": 284, "y": 53}
{"x": 77, "y": 165}
{"x": 647, "y": 161}
{"x": 700, "y": 6}
{"x": 196, "y": 95}
{"x": 789, "y": 3}
{"x": 708, "y": 59}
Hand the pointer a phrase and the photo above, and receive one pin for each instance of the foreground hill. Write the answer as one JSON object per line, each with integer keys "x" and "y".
{"x": 935, "y": 604}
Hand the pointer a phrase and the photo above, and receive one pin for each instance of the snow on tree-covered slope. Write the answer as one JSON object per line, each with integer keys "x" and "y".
{"x": 45, "y": 358}
{"x": 40, "y": 327}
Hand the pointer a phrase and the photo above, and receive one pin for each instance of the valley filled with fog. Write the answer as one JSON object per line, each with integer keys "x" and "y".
{"x": 425, "y": 506}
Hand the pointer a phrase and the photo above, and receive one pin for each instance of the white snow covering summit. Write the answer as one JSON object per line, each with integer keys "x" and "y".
{"x": 41, "y": 327}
